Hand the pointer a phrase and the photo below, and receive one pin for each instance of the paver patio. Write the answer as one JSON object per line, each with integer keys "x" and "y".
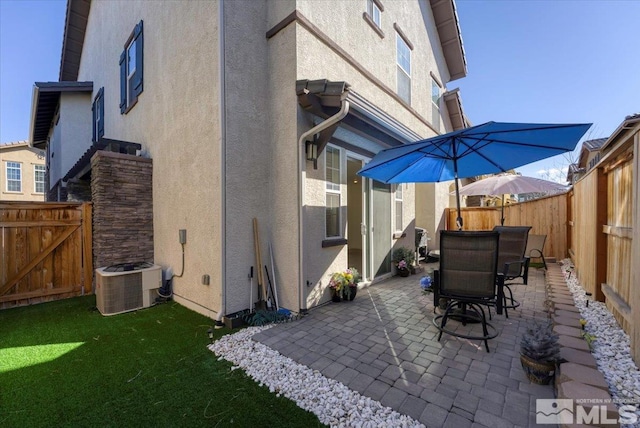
{"x": 384, "y": 345}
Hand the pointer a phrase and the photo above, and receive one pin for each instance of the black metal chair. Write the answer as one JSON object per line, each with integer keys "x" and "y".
{"x": 513, "y": 261}
{"x": 468, "y": 277}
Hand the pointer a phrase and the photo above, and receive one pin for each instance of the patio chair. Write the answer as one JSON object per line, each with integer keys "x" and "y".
{"x": 468, "y": 277}
{"x": 535, "y": 245}
{"x": 512, "y": 260}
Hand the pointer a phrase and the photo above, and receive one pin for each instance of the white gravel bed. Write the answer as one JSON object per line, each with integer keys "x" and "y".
{"x": 611, "y": 345}
{"x": 331, "y": 401}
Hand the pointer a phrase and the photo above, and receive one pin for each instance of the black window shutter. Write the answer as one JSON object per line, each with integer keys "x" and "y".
{"x": 93, "y": 115}
{"x": 101, "y": 103}
{"x": 137, "y": 80}
{"x": 123, "y": 81}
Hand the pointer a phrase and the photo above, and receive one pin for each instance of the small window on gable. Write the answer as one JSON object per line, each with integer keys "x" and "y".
{"x": 98, "y": 115}
{"x": 403, "y": 54}
{"x": 374, "y": 9}
{"x": 131, "y": 75}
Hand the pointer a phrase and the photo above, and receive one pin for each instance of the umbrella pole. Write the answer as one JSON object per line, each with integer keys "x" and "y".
{"x": 459, "y": 218}
{"x": 502, "y": 212}
{"x": 455, "y": 177}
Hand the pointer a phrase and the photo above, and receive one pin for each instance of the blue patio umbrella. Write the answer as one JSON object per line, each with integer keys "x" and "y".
{"x": 482, "y": 149}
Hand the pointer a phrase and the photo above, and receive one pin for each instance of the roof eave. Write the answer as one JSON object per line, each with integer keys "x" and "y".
{"x": 453, "y": 101}
{"x": 43, "y": 105}
{"x": 448, "y": 25}
{"x": 75, "y": 26}
{"x": 629, "y": 123}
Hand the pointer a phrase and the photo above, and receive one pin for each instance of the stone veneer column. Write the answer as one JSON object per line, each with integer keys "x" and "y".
{"x": 121, "y": 191}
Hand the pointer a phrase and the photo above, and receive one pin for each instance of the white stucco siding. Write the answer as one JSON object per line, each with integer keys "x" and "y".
{"x": 176, "y": 120}
{"x": 54, "y": 152}
{"x": 75, "y": 117}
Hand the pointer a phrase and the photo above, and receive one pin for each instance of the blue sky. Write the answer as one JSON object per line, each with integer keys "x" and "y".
{"x": 30, "y": 48}
{"x": 551, "y": 61}
{"x": 528, "y": 61}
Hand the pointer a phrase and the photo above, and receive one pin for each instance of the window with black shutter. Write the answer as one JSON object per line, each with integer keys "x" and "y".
{"x": 131, "y": 73}
{"x": 98, "y": 115}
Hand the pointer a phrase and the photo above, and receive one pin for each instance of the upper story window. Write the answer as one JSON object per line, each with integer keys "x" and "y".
{"x": 98, "y": 115}
{"x": 333, "y": 194}
{"x": 435, "y": 104}
{"x": 131, "y": 60}
{"x": 374, "y": 9}
{"x": 373, "y": 16}
{"x": 403, "y": 55}
{"x": 38, "y": 178}
{"x": 14, "y": 177}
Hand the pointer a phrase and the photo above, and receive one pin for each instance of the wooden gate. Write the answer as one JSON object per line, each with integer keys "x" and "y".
{"x": 46, "y": 251}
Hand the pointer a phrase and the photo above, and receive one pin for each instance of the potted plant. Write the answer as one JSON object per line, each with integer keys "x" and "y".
{"x": 403, "y": 258}
{"x": 540, "y": 352}
{"x": 344, "y": 285}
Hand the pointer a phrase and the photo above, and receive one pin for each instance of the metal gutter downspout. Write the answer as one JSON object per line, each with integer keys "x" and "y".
{"x": 344, "y": 110}
{"x": 223, "y": 168}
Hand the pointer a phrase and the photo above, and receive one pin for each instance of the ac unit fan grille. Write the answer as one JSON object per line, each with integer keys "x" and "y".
{"x": 121, "y": 293}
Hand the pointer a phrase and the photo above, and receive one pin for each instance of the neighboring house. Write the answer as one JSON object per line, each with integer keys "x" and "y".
{"x": 589, "y": 156}
{"x": 22, "y": 172}
{"x": 261, "y": 109}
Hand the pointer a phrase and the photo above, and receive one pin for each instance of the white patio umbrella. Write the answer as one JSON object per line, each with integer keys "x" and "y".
{"x": 511, "y": 184}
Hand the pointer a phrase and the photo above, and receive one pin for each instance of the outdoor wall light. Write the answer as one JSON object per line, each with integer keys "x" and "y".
{"x": 311, "y": 149}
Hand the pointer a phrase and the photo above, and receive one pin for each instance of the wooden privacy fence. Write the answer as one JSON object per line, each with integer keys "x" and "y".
{"x": 46, "y": 251}
{"x": 546, "y": 216}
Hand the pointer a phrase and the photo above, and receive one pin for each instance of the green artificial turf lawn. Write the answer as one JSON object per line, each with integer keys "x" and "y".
{"x": 64, "y": 364}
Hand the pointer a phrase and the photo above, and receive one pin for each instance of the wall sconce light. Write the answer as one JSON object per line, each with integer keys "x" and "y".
{"x": 311, "y": 149}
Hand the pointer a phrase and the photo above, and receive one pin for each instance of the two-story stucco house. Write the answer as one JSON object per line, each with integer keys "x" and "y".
{"x": 22, "y": 172}
{"x": 260, "y": 109}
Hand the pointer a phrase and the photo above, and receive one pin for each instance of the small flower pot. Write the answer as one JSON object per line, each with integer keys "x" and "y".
{"x": 349, "y": 293}
{"x": 404, "y": 272}
{"x": 335, "y": 296}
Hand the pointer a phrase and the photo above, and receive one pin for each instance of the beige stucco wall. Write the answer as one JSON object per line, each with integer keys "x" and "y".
{"x": 285, "y": 159}
{"x": 213, "y": 178}
{"x": 343, "y": 23}
{"x": 177, "y": 122}
{"x": 431, "y": 201}
{"x": 27, "y": 157}
{"x": 378, "y": 57}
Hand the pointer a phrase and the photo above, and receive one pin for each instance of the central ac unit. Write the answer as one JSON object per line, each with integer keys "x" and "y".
{"x": 127, "y": 287}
